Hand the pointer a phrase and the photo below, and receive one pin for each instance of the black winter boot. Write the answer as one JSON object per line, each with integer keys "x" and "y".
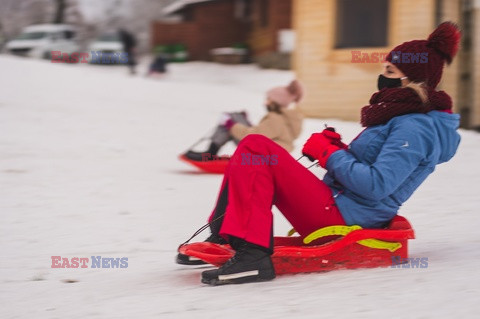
{"x": 191, "y": 261}
{"x": 198, "y": 156}
{"x": 250, "y": 263}
{"x": 203, "y": 156}
{"x": 213, "y": 149}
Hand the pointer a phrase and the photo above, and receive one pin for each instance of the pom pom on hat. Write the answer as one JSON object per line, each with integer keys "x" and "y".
{"x": 446, "y": 40}
{"x": 284, "y": 95}
{"x": 295, "y": 89}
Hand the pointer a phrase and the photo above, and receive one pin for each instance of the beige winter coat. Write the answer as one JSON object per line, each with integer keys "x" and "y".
{"x": 282, "y": 128}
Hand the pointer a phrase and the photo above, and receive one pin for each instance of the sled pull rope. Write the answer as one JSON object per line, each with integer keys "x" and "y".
{"x": 201, "y": 229}
{"x": 314, "y": 164}
{"x": 340, "y": 230}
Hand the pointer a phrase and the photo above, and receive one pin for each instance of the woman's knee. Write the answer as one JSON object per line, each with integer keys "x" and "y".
{"x": 256, "y": 142}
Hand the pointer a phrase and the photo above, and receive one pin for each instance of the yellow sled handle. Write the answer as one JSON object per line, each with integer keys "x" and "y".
{"x": 337, "y": 230}
{"x": 380, "y": 244}
{"x": 340, "y": 230}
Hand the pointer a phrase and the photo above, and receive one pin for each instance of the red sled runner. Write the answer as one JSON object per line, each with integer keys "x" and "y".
{"x": 353, "y": 247}
{"x": 216, "y": 165}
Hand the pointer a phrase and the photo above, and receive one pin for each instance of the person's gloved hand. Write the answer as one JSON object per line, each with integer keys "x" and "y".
{"x": 334, "y": 137}
{"x": 319, "y": 146}
{"x": 226, "y": 121}
{"x": 228, "y": 125}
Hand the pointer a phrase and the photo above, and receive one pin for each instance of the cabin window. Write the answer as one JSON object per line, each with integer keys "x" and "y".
{"x": 361, "y": 23}
{"x": 243, "y": 10}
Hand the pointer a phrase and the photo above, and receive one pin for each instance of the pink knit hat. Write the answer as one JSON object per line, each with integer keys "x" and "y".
{"x": 284, "y": 95}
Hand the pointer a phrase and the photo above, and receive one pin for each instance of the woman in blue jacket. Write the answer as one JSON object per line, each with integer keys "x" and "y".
{"x": 410, "y": 128}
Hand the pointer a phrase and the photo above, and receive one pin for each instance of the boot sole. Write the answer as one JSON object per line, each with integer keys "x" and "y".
{"x": 189, "y": 260}
{"x": 249, "y": 276}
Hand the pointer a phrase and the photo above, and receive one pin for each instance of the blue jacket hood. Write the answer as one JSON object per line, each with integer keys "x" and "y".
{"x": 446, "y": 126}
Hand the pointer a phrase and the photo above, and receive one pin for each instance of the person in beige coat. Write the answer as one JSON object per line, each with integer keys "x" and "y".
{"x": 282, "y": 123}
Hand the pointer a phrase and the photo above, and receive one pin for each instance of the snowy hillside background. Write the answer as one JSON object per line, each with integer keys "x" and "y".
{"x": 88, "y": 166}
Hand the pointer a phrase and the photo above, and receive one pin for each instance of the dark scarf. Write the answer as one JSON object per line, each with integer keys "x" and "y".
{"x": 391, "y": 102}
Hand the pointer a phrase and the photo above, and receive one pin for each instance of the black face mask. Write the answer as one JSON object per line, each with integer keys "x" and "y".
{"x": 384, "y": 82}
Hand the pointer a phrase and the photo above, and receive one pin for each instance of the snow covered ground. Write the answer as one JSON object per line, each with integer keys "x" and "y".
{"x": 88, "y": 167}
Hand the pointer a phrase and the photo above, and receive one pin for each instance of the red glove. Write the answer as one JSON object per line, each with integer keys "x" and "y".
{"x": 226, "y": 121}
{"x": 319, "y": 146}
{"x": 334, "y": 137}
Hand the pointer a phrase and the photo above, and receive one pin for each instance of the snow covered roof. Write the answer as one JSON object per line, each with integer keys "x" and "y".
{"x": 180, "y": 4}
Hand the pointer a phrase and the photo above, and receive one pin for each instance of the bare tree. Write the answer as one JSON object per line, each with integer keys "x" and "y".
{"x": 133, "y": 15}
{"x": 67, "y": 11}
{"x": 17, "y": 14}
{"x": 60, "y": 6}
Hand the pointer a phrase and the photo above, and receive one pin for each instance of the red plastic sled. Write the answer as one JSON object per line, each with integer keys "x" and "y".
{"x": 216, "y": 166}
{"x": 358, "y": 248}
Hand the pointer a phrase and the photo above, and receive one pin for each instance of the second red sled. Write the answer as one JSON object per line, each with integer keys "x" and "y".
{"x": 215, "y": 166}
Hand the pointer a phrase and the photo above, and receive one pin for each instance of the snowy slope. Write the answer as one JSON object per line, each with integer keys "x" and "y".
{"x": 88, "y": 168}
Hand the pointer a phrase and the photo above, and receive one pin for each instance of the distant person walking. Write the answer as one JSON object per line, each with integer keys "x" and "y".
{"x": 129, "y": 44}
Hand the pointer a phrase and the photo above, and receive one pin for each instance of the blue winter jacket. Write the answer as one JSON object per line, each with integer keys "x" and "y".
{"x": 386, "y": 163}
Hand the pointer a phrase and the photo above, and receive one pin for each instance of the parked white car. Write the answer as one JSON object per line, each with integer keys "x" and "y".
{"x": 39, "y": 40}
{"x": 107, "y": 43}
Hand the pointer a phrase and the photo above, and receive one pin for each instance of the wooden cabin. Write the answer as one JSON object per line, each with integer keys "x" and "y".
{"x": 331, "y": 33}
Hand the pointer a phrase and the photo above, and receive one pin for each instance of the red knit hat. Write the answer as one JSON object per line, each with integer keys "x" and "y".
{"x": 423, "y": 60}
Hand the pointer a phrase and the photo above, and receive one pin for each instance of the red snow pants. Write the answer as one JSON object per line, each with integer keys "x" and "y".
{"x": 261, "y": 174}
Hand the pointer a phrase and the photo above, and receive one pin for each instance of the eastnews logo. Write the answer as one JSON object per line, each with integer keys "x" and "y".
{"x": 399, "y": 262}
{"x": 254, "y": 159}
{"x": 211, "y": 157}
{"x": 247, "y": 159}
{"x": 397, "y": 57}
{"x": 96, "y": 262}
{"x": 97, "y": 57}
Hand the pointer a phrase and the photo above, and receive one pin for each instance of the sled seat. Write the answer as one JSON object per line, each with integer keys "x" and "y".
{"x": 353, "y": 247}
{"x": 399, "y": 228}
{"x": 356, "y": 248}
